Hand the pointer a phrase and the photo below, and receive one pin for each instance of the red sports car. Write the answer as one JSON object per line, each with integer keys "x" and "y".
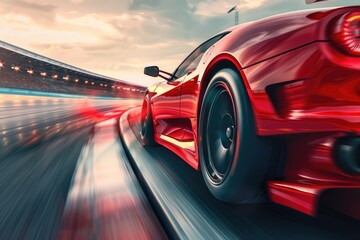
{"x": 268, "y": 109}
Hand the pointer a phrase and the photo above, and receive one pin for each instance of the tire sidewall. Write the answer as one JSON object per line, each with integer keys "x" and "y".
{"x": 148, "y": 136}
{"x": 245, "y": 180}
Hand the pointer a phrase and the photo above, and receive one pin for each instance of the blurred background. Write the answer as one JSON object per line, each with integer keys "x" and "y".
{"x": 71, "y": 162}
{"x": 49, "y": 111}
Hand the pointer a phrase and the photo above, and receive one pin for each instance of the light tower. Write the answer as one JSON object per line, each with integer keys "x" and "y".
{"x": 235, "y": 9}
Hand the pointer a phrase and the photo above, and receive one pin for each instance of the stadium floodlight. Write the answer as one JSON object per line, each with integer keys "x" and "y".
{"x": 55, "y": 76}
{"x": 66, "y": 78}
{"x": 43, "y": 74}
{"x": 86, "y": 82}
{"x": 92, "y": 83}
{"x": 76, "y": 80}
{"x": 30, "y": 71}
{"x": 232, "y": 9}
{"x": 235, "y": 9}
{"x": 1, "y": 65}
{"x": 313, "y": 1}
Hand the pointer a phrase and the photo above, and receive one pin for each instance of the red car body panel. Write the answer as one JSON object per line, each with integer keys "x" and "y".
{"x": 302, "y": 89}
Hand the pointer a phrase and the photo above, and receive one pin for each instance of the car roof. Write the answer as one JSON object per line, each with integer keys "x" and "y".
{"x": 305, "y": 11}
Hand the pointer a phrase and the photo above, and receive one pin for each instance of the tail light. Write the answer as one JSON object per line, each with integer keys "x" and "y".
{"x": 345, "y": 33}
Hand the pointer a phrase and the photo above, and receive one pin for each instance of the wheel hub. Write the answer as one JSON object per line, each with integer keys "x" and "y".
{"x": 227, "y": 135}
{"x": 229, "y": 132}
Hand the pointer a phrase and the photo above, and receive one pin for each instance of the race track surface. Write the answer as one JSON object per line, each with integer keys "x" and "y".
{"x": 76, "y": 169}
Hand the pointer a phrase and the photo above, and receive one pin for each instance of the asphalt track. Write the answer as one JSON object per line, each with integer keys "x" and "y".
{"x": 69, "y": 169}
{"x": 46, "y": 145}
{"x": 189, "y": 211}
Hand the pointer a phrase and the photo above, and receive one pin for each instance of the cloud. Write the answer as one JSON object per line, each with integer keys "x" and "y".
{"x": 118, "y": 38}
{"x": 40, "y": 12}
{"x": 76, "y": 1}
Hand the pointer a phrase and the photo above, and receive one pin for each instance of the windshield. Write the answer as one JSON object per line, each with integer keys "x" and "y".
{"x": 192, "y": 61}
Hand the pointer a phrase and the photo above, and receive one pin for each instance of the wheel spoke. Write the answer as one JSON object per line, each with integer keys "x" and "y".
{"x": 220, "y": 134}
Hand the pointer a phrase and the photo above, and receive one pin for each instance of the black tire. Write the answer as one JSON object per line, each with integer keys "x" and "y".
{"x": 147, "y": 127}
{"x": 234, "y": 161}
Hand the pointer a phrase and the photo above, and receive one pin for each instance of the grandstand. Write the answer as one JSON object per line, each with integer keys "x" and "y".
{"x": 22, "y": 69}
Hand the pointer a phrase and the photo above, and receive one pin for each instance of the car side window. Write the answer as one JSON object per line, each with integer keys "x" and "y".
{"x": 193, "y": 60}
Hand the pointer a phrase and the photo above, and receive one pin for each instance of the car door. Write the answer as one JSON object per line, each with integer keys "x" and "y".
{"x": 190, "y": 88}
{"x": 166, "y": 108}
{"x": 169, "y": 94}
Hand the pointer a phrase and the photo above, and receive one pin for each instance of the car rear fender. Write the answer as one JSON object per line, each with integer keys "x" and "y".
{"x": 221, "y": 61}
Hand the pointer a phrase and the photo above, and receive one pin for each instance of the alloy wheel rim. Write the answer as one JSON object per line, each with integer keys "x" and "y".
{"x": 220, "y": 135}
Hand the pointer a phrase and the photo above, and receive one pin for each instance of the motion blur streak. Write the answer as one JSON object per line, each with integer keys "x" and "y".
{"x": 202, "y": 223}
{"x": 27, "y": 119}
{"x": 40, "y": 142}
{"x": 183, "y": 201}
{"x": 106, "y": 200}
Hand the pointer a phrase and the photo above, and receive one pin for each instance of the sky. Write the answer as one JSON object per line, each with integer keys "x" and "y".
{"x": 118, "y": 38}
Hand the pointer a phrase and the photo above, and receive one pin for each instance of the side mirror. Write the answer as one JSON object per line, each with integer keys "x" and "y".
{"x": 152, "y": 71}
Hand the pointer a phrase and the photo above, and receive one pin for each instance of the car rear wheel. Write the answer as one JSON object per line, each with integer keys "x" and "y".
{"x": 234, "y": 161}
{"x": 147, "y": 127}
